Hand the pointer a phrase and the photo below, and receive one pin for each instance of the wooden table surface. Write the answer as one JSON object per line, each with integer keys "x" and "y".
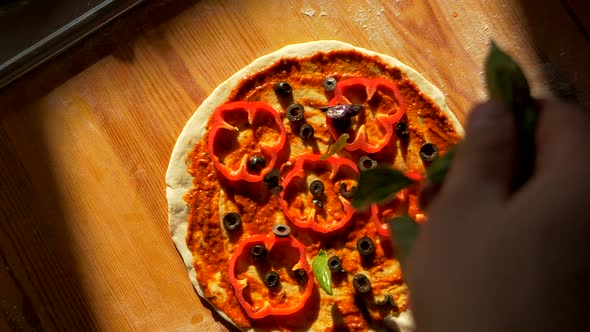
{"x": 85, "y": 139}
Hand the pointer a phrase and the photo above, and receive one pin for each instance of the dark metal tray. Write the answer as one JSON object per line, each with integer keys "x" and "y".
{"x": 33, "y": 31}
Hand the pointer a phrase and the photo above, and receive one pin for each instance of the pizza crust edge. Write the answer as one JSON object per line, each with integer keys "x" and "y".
{"x": 179, "y": 181}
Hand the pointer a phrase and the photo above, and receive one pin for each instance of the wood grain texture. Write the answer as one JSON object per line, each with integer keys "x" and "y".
{"x": 85, "y": 140}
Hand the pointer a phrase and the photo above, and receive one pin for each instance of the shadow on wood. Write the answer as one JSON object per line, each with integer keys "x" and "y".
{"x": 40, "y": 284}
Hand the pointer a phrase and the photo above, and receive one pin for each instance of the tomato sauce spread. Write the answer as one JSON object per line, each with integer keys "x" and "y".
{"x": 232, "y": 175}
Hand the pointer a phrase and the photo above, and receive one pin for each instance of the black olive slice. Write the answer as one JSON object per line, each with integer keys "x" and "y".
{"x": 335, "y": 264}
{"x": 345, "y": 192}
{"x": 281, "y": 230}
{"x": 317, "y": 203}
{"x": 365, "y": 246}
{"x": 271, "y": 279}
{"x": 361, "y": 283}
{"x": 232, "y": 221}
{"x": 401, "y": 130}
{"x": 300, "y": 276}
{"x": 258, "y": 252}
{"x": 329, "y": 84}
{"x": 428, "y": 152}
{"x": 283, "y": 89}
{"x": 316, "y": 187}
{"x": 306, "y": 131}
{"x": 366, "y": 163}
{"x": 295, "y": 112}
{"x": 256, "y": 163}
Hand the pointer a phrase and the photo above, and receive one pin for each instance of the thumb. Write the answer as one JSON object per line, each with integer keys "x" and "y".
{"x": 484, "y": 163}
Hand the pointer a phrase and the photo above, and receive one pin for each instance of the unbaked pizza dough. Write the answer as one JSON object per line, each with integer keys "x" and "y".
{"x": 179, "y": 181}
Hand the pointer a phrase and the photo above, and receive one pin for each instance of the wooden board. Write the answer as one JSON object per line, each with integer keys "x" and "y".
{"x": 85, "y": 140}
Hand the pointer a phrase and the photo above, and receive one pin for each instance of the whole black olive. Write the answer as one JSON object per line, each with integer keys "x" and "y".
{"x": 365, "y": 246}
{"x": 300, "y": 276}
{"x": 401, "y": 130}
{"x": 329, "y": 84}
{"x": 271, "y": 279}
{"x": 335, "y": 264}
{"x": 366, "y": 163}
{"x": 345, "y": 192}
{"x": 306, "y": 131}
{"x": 256, "y": 163}
{"x": 281, "y": 230}
{"x": 428, "y": 152}
{"x": 295, "y": 112}
{"x": 316, "y": 187}
{"x": 361, "y": 283}
{"x": 232, "y": 221}
{"x": 258, "y": 252}
{"x": 283, "y": 89}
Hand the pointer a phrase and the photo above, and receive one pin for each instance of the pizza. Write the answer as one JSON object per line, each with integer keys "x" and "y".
{"x": 261, "y": 179}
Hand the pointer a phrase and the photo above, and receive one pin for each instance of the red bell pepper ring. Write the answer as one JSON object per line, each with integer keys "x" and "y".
{"x": 333, "y": 211}
{"x": 372, "y": 129}
{"x": 404, "y": 202}
{"x": 241, "y": 130}
{"x": 269, "y": 241}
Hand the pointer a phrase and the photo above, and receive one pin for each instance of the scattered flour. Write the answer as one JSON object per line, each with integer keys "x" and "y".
{"x": 309, "y": 12}
{"x": 370, "y": 17}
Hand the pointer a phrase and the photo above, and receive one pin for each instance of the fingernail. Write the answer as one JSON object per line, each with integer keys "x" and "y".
{"x": 488, "y": 115}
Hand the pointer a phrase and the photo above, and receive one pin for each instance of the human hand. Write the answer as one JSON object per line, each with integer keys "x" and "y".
{"x": 494, "y": 259}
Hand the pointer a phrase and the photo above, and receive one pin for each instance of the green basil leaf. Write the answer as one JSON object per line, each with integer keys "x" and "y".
{"x": 505, "y": 79}
{"x": 404, "y": 231}
{"x": 321, "y": 271}
{"x": 378, "y": 185}
{"x": 336, "y": 147}
{"x": 508, "y": 85}
{"x": 437, "y": 172}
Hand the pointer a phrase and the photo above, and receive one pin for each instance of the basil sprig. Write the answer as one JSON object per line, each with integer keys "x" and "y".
{"x": 321, "y": 271}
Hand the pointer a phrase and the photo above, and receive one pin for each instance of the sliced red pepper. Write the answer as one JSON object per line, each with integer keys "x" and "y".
{"x": 329, "y": 212}
{"x": 241, "y": 130}
{"x": 414, "y": 210}
{"x": 404, "y": 202}
{"x": 372, "y": 129}
{"x": 281, "y": 251}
